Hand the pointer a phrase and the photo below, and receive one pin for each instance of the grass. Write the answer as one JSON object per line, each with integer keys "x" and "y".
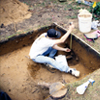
{"x": 71, "y": 17}
{"x": 10, "y": 36}
{"x": 42, "y": 4}
{"x": 76, "y": 8}
{"x": 18, "y": 33}
{"x": 87, "y": 95}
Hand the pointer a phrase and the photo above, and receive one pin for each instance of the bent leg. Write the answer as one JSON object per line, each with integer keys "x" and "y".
{"x": 52, "y": 52}
{"x": 51, "y": 61}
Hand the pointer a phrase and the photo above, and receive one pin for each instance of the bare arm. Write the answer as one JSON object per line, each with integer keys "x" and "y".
{"x": 64, "y": 37}
{"x": 61, "y": 49}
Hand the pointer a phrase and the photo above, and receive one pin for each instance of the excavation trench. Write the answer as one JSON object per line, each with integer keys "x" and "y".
{"x": 20, "y": 75}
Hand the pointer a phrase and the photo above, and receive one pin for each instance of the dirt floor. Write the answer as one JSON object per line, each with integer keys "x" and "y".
{"x": 18, "y": 74}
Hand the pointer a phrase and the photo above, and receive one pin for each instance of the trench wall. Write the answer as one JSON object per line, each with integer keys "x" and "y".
{"x": 20, "y": 41}
{"x": 87, "y": 55}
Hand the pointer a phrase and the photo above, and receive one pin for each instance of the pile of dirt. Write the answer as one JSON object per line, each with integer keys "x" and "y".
{"x": 12, "y": 11}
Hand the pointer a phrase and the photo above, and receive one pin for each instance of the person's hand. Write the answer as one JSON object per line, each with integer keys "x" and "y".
{"x": 71, "y": 26}
{"x": 67, "y": 50}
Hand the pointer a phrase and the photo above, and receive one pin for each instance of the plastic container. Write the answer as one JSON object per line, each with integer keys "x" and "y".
{"x": 82, "y": 88}
{"x": 85, "y": 23}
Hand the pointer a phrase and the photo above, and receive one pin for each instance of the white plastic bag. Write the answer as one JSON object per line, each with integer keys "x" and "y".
{"x": 61, "y": 59}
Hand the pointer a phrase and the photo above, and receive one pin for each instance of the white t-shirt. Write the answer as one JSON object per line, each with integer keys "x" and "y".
{"x": 40, "y": 46}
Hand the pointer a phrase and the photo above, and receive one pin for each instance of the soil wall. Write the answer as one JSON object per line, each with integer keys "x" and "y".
{"x": 86, "y": 54}
{"x": 20, "y": 41}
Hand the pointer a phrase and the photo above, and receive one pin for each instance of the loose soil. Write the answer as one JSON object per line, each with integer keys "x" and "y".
{"x": 18, "y": 74}
{"x": 12, "y": 11}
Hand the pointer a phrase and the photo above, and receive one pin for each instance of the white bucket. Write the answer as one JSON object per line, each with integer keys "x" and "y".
{"x": 85, "y": 24}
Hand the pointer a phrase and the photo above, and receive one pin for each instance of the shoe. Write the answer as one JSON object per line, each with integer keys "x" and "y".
{"x": 74, "y": 72}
